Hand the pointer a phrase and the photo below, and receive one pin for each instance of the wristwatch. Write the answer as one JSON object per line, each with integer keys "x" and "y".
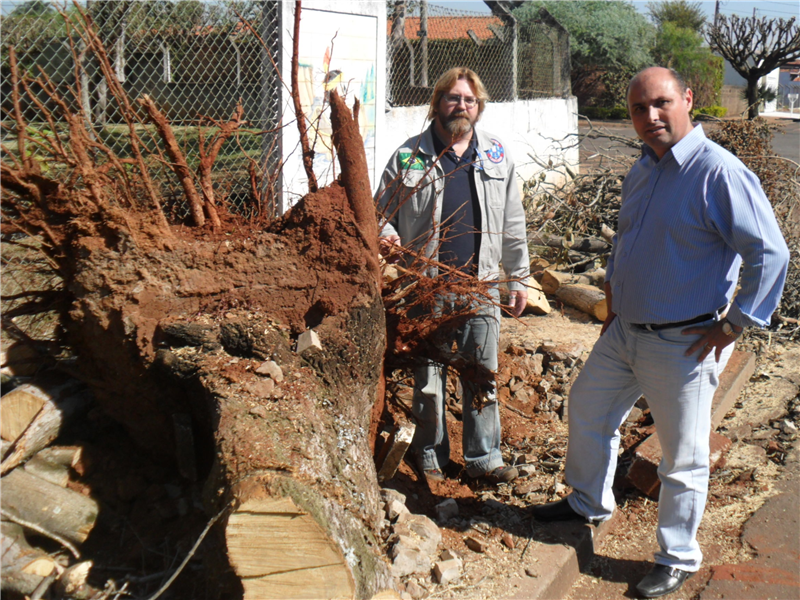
{"x": 728, "y": 330}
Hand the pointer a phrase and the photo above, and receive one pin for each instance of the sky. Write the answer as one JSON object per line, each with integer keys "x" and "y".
{"x": 778, "y": 9}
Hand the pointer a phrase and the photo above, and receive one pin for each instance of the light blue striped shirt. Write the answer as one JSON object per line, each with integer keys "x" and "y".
{"x": 686, "y": 225}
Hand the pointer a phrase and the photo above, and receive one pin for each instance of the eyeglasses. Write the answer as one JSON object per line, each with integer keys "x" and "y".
{"x": 469, "y": 101}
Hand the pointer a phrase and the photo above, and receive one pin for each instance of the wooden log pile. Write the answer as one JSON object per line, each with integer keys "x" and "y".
{"x": 570, "y": 237}
{"x": 37, "y": 499}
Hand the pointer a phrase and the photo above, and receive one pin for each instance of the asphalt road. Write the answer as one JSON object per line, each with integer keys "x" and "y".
{"x": 785, "y": 143}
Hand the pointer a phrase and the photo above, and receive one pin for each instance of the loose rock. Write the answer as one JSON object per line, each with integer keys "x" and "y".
{"x": 446, "y": 510}
{"x": 447, "y": 570}
{"x": 272, "y": 369}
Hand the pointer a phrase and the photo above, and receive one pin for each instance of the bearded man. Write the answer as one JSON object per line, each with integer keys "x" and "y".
{"x": 450, "y": 194}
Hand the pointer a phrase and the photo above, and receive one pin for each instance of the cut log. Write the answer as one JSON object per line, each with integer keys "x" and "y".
{"x": 59, "y": 404}
{"x": 589, "y": 244}
{"x": 537, "y": 301}
{"x": 57, "y": 510}
{"x": 607, "y": 233}
{"x": 72, "y": 583}
{"x": 53, "y": 472}
{"x": 270, "y": 541}
{"x": 551, "y": 280}
{"x": 68, "y": 456}
{"x": 24, "y": 567}
{"x": 18, "y": 408}
{"x": 395, "y": 449}
{"x": 585, "y": 298}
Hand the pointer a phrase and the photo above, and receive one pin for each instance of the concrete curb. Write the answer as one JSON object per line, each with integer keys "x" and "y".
{"x": 558, "y": 563}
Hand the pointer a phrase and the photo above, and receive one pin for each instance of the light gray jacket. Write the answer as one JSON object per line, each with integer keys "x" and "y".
{"x": 410, "y": 200}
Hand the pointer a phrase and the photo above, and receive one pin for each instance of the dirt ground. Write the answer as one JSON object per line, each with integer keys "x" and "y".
{"x": 498, "y": 516}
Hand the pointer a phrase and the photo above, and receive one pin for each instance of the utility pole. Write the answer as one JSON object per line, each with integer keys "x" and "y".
{"x": 423, "y": 42}
{"x": 716, "y": 13}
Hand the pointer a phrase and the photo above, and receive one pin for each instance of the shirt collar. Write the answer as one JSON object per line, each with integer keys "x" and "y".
{"x": 683, "y": 149}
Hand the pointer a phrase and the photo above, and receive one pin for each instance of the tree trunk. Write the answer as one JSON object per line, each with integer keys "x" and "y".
{"x": 752, "y": 98}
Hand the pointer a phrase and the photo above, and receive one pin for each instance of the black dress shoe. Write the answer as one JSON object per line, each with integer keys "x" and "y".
{"x": 556, "y": 511}
{"x": 662, "y": 580}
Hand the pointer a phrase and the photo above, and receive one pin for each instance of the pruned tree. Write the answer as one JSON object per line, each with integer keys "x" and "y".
{"x": 755, "y": 47}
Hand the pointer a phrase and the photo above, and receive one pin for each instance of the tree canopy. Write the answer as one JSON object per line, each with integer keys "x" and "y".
{"x": 602, "y": 34}
{"x": 33, "y": 8}
{"x": 682, "y": 49}
{"x": 679, "y": 13}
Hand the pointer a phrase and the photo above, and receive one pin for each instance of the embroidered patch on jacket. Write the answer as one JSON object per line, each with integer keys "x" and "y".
{"x": 496, "y": 153}
{"x": 409, "y": 161}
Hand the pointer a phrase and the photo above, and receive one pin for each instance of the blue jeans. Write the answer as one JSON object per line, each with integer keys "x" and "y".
{"x": 476, "y": 339}
{"x": 625, "y": 363}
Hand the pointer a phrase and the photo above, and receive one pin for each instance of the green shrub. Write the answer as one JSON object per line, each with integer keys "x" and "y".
{"x": 603, "y": 113}
{"x": 712, "y": 111}
{"x": 618, "y": 112}
{"x": 594, "y": 112}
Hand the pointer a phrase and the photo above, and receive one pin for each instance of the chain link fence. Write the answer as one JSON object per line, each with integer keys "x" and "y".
{"x": 514, "y": 61}
{"x": 196, "y": 60}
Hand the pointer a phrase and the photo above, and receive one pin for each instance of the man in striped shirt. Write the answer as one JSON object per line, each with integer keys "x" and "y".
{"x": 692, "y": 218}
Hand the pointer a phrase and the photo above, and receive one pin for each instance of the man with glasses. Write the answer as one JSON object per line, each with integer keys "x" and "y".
{"x": 450, "y": 194}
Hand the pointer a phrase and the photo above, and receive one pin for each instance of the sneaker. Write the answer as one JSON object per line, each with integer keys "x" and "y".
{"x": 502, "y": 474}
{"x": 433, "y": 474}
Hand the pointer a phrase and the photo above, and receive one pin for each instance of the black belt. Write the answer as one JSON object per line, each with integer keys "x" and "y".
{"x": 660, "y": 326}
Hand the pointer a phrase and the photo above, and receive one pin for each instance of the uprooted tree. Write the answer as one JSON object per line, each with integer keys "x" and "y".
{"x": 170, "y": 324}
{"x": 175, "y": 325}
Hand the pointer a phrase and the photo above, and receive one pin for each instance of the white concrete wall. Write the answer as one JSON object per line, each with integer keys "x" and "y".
{"x": 771, "y": 80}
{"x": 546, "y": 129}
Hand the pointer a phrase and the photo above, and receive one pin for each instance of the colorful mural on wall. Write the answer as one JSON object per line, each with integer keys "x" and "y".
{"x": 337, "y": 51}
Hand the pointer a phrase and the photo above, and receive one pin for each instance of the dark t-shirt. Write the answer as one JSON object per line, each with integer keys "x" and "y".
{"x": 461, "y": 216}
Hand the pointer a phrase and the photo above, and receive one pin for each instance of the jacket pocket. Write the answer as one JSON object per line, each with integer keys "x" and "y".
{"x": 494, "y": 186}
{"x": 416, "y": 183}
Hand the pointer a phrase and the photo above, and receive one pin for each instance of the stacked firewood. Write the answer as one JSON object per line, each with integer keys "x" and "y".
{"x": 39, "y": 500}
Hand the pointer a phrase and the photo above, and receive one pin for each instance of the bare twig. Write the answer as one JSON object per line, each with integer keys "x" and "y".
{"x": 188, "y": 557}
{"x": 40, "y": 530}
{"x": 308, "y": 151}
